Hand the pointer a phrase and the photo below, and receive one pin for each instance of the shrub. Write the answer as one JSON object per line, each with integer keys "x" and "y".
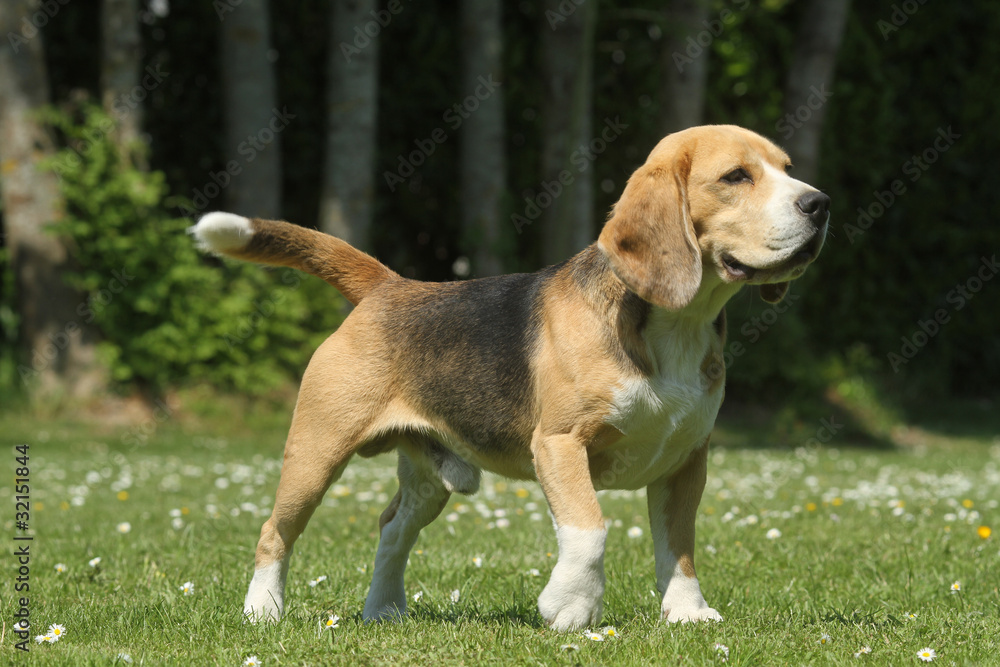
{"x": 168, "y": 314}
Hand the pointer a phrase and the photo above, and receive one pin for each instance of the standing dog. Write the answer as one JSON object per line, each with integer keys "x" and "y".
{"x": 603, "y": 372}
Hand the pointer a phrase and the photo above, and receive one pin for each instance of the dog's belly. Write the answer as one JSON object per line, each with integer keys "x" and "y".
{"x": 661, "y": 423}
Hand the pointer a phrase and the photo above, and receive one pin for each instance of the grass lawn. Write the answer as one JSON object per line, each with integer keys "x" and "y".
{"x": 810, "y": 554}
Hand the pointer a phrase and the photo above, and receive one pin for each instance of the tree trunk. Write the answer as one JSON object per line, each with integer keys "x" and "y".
{"x": 121, "y": 64}
{"x": 347, "y": 197}
{"x": 253, "y": 123}
{"x": 566, "y": 191}
{"x": 58, "y": 347}
{"x": 483, "y": 160}
{"x": 683, "y": 91}
{"x": 807, "y": 90}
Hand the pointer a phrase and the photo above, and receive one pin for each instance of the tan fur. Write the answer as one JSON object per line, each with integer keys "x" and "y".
{"x": 650, "y": 238}
{"x": 686, "y": 486}
{"x": 608, "y": 374}
{"x": 348, "y": 269}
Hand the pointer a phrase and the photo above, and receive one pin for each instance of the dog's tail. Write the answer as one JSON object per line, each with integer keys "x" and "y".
{"x": 348, "y": 269}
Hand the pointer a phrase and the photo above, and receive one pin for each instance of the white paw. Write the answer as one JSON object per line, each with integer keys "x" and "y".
{"x": 261, "y": 612}
{"x": 687, "y": 615}
{"x": 266, "y": 594}
{"x": 390, "y": 613}
{"x": 684, "y": 603}
{"x": 567, "y": 613}
{"x": 386, "y": 601}
{"x": 572, "y": 600}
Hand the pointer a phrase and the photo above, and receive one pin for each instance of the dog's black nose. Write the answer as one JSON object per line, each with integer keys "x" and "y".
{"x": 816, "y": 205}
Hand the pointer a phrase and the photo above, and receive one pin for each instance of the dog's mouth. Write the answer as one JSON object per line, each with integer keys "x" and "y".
{"x": 737, "y": 270}
{"x": 793, "y": 267}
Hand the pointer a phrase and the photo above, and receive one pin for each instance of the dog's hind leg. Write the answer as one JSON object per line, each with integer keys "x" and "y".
{"x": 420, "y": 499}
{"x": 329, "y": 425}
{"x": 305, "y": 477}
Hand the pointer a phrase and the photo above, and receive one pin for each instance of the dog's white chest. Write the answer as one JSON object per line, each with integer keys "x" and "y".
{"x": 664, "y": 416}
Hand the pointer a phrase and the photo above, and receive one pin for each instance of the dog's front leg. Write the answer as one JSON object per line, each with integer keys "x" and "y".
{"x": 572, "y": 598}
{"x": 673, "y": 503}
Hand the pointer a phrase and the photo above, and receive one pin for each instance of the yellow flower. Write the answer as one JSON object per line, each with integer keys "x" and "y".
{"x": 521, "y": 493}
{"x": 838, "y": 501}
{"x": 984, "y": 532}
{"x": 810, "y": 507}
{"x": 967, "y": 504}
{"x": 123, "y": 495}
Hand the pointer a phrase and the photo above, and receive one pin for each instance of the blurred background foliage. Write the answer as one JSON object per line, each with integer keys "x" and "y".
{"x": 891, "y": 96}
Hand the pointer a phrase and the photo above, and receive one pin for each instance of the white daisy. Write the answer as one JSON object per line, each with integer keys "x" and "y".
{"x": 534, "y": 572}
{"x": 455, "y": 595}
{"x": 927, "y": 654}
{"x": 956, "y": 587}
{"x": 864, "y": 650}
{"x": 187, "y": 587}
{"x": 60, "y": 567}
{"x": 823, "y": 639}
{"x": 252, "y": 661}
{"x": 124, "y": 527}
{"x": 722, "y": 651}
{"x": 317, "y": 581}
{"x": 418, "y": 595}
{"x": 594, "y": 636}
{"x": 634, "y": 532}
{"x": 773, "y": 534}
{"x": 57, "y": 631}
{"x": 477, "y": 561}
{"x": 569, "y": 647}
{"x": 332, "y": 622}
{"x": 124, "y": 657}
{"x": 94, "y": 562}
{"x": 610, "y": 631}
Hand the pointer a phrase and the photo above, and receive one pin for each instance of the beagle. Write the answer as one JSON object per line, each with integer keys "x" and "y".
{"x": 603, "y": 372}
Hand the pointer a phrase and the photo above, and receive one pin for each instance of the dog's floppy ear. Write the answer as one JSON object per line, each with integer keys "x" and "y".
{"x": 650, "y": 240}
{"x": 774, "y": 292}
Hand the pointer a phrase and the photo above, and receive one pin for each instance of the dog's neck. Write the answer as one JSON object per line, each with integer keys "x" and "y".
{"x": 628, "y": 315}
{"x": 606, "y": 292}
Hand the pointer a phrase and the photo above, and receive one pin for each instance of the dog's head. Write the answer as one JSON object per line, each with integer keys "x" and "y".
{"x": 716, "y": 198}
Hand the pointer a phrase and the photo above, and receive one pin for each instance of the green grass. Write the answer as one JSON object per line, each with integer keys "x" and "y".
{"x": 866, "y": 539}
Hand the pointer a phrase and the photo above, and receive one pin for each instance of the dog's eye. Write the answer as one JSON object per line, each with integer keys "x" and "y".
{"x": 739, "y": 175}
{"x": 788, "y": 167}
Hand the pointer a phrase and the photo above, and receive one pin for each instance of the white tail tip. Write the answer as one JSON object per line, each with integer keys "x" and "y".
{"x": 218, "y": 232}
